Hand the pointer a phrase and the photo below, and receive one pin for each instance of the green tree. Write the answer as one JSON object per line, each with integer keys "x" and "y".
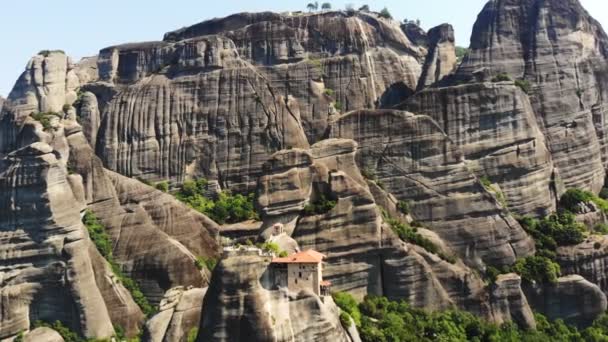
{"x": 385, "y": 13}
{"x": 364, "y": 8}
{"x": 326, "y": 6}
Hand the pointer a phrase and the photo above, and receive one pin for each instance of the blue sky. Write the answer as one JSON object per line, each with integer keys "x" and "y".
{"x": 82, "y": 28}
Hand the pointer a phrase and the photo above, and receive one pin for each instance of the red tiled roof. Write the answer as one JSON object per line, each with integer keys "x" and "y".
{"x": 306, "y": 257}
{"x": 325, "y": 283}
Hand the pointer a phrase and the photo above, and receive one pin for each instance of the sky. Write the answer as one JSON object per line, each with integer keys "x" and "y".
{"x": 82, "y": 28}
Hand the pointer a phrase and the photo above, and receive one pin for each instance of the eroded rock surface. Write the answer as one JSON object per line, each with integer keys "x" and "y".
{"x": 242, "y": 304}
{"x": 415, "y": 161}
{"x": 561, "y": 52}
{"x": 441, "y": 57}
{"x": 496, "y": 128}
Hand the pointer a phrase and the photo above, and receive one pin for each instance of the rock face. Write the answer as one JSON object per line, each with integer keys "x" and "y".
{"x": 508, "y": 298}
{"x": 43, "y": 334}
{"x": 2, "y": 99}
{"x": 364, "y": 256}
{"x": 48, "y": 83}
{"x": 242, "y": 304}
{"x": 560, "y": 51}
{"x": 496, "y": 128}
{"x": 49, "y": 263}
{"x": 441, "y": 57}
{"x": 224, "y": 101}
{"x": 179, "y": 315}
{"x": 406, "y": 153}
{"x": 589, "y": 259}
{"x": 573, "y": 299}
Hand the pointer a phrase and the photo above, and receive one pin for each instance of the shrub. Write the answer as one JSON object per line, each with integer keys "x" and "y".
{"x": 537, "y": 268}
{"x": 103, "y": 243}
{"x": 597, "y": 245}
{"x": 19, "y": 337}
{"x": 192, "y": 334}
{"x": 573, "y": 197}
{"x": 271, "y": 247}
{"x": 559, "y": 229}
{"x": 162, "y": 186}
{"x": 364, "y": 8}
{"x": 66, "y": 108}
{"x": 501, "y": 78}
{"x": 368, "y": 174}
{"x": 202, "y": 262}
{"x": 348, "y": 304}
{"x": 523, "y": 85}
{"x": 338, "y": 105}
{"x": 492, "y": 274}
{"x": 45, "y": 119}
{"x": 384, "y": 13}
{"x": 345, "y": 319}
{"x": 329, "y": 92}
{"x": 461, "y": 53}
{"x": 227, "y": 208}
{"x": 320, "y": 206}
{"x": 604, "y": 194}
{"x": 601, "y": 228}
{"x": 404, "y": 207}
{"x": 411, "y": 235}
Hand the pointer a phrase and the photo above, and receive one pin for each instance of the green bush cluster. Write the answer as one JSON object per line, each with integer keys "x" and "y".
{"x": 329, "y": 92}
{"x": 192, "y": 334}
{"x": 208, "y": 263}
{"x": 573, "y": 197}
{"x": 404, "y": 207}
{"x": 272, "y": 247}
{"x": 382, "y": 320}
{"x": 487, "y": 184}
{"x": 385, "y": 13}
{"x": 501, "y": 78}
{"x": 461, "y": 53}
{"x": 538, "y": 269}
{"x": 338, "y": 105}
{"x": 227, "y": 208}
{"x": 162, "y": 186}
{"x": 45, "y": 119}
{"x": 411, "y": 235}
{"x": 103, "y": 243}
{"x": 524, "y": 85}
{"x": 319, "y": 207}
{"x": 555, "y": 230}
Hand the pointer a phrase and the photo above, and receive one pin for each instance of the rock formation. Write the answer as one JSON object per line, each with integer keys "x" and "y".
{"x": 179, "y": 315}
{"x": 441, "y": 57}
{"x": 243, "y": 305}
{"x": 407, "y": 152}
{"x": 289, "y": 106}
{"x": 559, "y": 52}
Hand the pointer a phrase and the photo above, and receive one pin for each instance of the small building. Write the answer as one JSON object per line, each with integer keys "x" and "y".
{"x": 303, "y": 271}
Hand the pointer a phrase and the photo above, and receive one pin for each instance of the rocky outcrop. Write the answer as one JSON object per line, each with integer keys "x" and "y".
{"x": 47, "y": 84}
{"x": 243, "y": 304}
{"x": 2, "y": 99}
{"x": 441, "y": 58}
{"x": 560, "y": 51}
{"x": 43, "y": 334}
{"x": 415, "y": 33}
{"x": 178, "y": 317}
{"x": 49, "y": 265}
{"x": 572, "y": 298}
{"x": 496, "y": 128}
{"x": 588, "y": 259}
{"x": 509, "y": 302}
{"x": 223, "y": 102}
{"x": 364, "y": 256}
{"x": 415, "y": 161}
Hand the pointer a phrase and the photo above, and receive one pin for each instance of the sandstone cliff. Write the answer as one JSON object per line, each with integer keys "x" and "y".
{"x": 286, "y": 105}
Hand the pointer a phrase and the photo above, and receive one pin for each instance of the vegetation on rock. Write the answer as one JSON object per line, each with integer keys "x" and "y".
{"x": 202, "y": 262}
{"x": 411, "y": 235}
{"x": 383, "y": 320}
{"x": 227, "y": 208}
{"x": 103, "y": 243}
{"x": 45, "y": 119}
{"x": 502, "y": 78}
{"x": 319, "y": 207}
